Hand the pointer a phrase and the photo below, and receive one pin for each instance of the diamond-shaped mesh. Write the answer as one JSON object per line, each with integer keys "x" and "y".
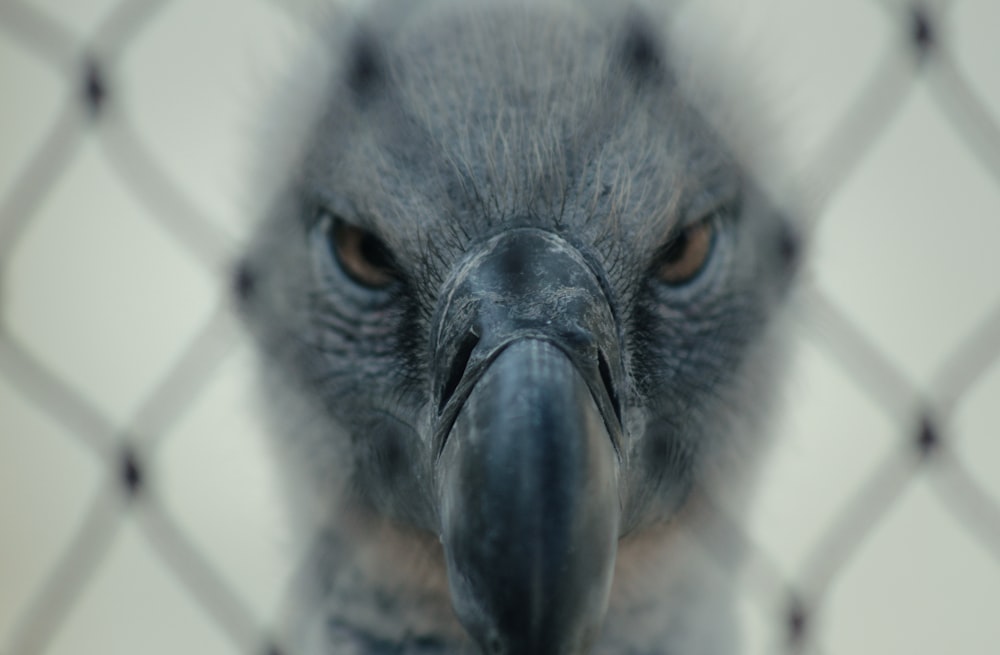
{"x": 138, "y": 513}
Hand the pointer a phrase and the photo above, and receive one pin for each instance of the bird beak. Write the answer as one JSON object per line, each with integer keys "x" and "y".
{"x": 528, "y": 376}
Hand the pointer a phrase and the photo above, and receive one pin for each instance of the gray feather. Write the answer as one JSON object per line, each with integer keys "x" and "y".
{"x": 440, "y": 125}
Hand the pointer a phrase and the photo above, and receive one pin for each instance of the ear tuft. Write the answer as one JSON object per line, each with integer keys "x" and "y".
{"x": 641, "y": 52}
{"x": 366, "y": 69}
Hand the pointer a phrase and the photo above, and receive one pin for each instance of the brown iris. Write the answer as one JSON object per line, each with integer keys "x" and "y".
{"x": 685, "y": 256}
{"x": 361, "y": 255}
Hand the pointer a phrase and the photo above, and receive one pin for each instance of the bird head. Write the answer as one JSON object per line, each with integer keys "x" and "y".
{"x": 520, "y": 277}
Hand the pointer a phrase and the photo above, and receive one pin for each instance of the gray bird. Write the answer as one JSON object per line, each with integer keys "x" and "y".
{"x": 517, "y": 306}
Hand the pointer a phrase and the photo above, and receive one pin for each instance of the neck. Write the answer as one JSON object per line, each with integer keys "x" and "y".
{"x": 375, "y": 584}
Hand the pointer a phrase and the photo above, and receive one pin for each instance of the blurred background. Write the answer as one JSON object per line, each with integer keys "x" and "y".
{"x": 138, "y": 508}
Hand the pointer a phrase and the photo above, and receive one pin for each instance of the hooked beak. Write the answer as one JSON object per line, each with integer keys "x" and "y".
{"x": 528, "y": 435}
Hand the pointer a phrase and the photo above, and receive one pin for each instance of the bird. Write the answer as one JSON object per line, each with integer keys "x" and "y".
{"x": 519, "y": 306}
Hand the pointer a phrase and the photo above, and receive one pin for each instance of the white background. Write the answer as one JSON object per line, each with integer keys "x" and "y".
{"x": 102, "y": 294}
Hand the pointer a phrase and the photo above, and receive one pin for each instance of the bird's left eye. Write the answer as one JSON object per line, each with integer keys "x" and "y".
{"x": 686, "y": 254}
{"x": 360, "y": 254}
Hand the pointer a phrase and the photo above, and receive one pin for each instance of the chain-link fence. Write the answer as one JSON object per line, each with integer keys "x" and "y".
{"x": 138, "y": 513}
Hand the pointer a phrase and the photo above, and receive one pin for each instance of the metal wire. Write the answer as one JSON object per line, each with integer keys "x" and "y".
{"x": 919, "y": 53}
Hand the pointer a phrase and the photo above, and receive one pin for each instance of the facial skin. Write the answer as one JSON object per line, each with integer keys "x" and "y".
{"x": 515, "y": 301}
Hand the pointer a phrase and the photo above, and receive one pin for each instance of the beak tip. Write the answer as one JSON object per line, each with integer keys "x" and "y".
{"x": 530, "y": 511}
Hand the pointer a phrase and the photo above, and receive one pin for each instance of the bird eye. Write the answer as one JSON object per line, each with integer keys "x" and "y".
{"x": 685, "y": 256}
{"x": 360, "y": 254}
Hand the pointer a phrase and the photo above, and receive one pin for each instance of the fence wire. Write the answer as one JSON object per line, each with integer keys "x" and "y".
{"x": 920, "y": 54}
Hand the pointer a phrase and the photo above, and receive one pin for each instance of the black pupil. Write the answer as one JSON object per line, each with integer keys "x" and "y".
{"x": 675, "y": 251}
{"x": 375, "y": 253}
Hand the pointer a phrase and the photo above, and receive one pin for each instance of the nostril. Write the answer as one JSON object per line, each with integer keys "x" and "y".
{"x": 458, "y": 365}
{"x": 609, "y": 386}
{"x": 493, "y": 644}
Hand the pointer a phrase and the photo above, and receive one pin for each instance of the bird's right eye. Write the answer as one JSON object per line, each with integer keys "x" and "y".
{"x": 360, "y": 254}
